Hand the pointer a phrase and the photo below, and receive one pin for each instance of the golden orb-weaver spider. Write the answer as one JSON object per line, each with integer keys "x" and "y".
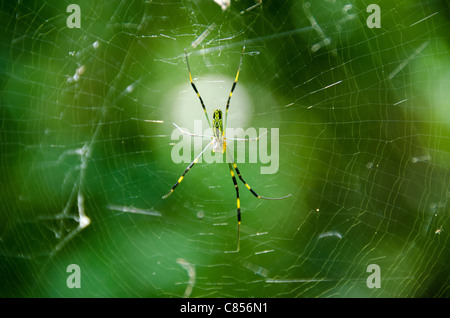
{"x": 218, "y": 141}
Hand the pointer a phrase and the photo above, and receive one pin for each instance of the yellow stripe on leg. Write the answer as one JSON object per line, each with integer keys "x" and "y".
{"x": 238, "y": 205}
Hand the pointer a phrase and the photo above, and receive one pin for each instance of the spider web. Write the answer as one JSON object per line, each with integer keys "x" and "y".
{"x": 86, "y": 123}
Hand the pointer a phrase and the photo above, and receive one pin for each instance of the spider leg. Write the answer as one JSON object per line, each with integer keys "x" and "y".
{"x": 232, "y": 88}
{"x": 238, "y": 202}
{"x": 187, "y": 169}
{"x": 195, "y": 89}
{"x": 190, "y": 134}
{"x": 230, "y": 158}
{"x": 247, "y": 139}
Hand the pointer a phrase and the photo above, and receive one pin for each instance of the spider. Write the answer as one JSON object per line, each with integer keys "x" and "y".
{"x": 219, "y": 144}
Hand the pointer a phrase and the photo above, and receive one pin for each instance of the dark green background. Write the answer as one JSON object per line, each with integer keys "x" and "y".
{"x": 348, "y": 152}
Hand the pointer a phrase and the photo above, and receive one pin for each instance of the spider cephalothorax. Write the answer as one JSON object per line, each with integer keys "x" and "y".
{"x": 218, "y": 132}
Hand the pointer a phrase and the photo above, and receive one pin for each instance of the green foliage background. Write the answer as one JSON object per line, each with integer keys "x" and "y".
{"x": 364, "y": 150}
